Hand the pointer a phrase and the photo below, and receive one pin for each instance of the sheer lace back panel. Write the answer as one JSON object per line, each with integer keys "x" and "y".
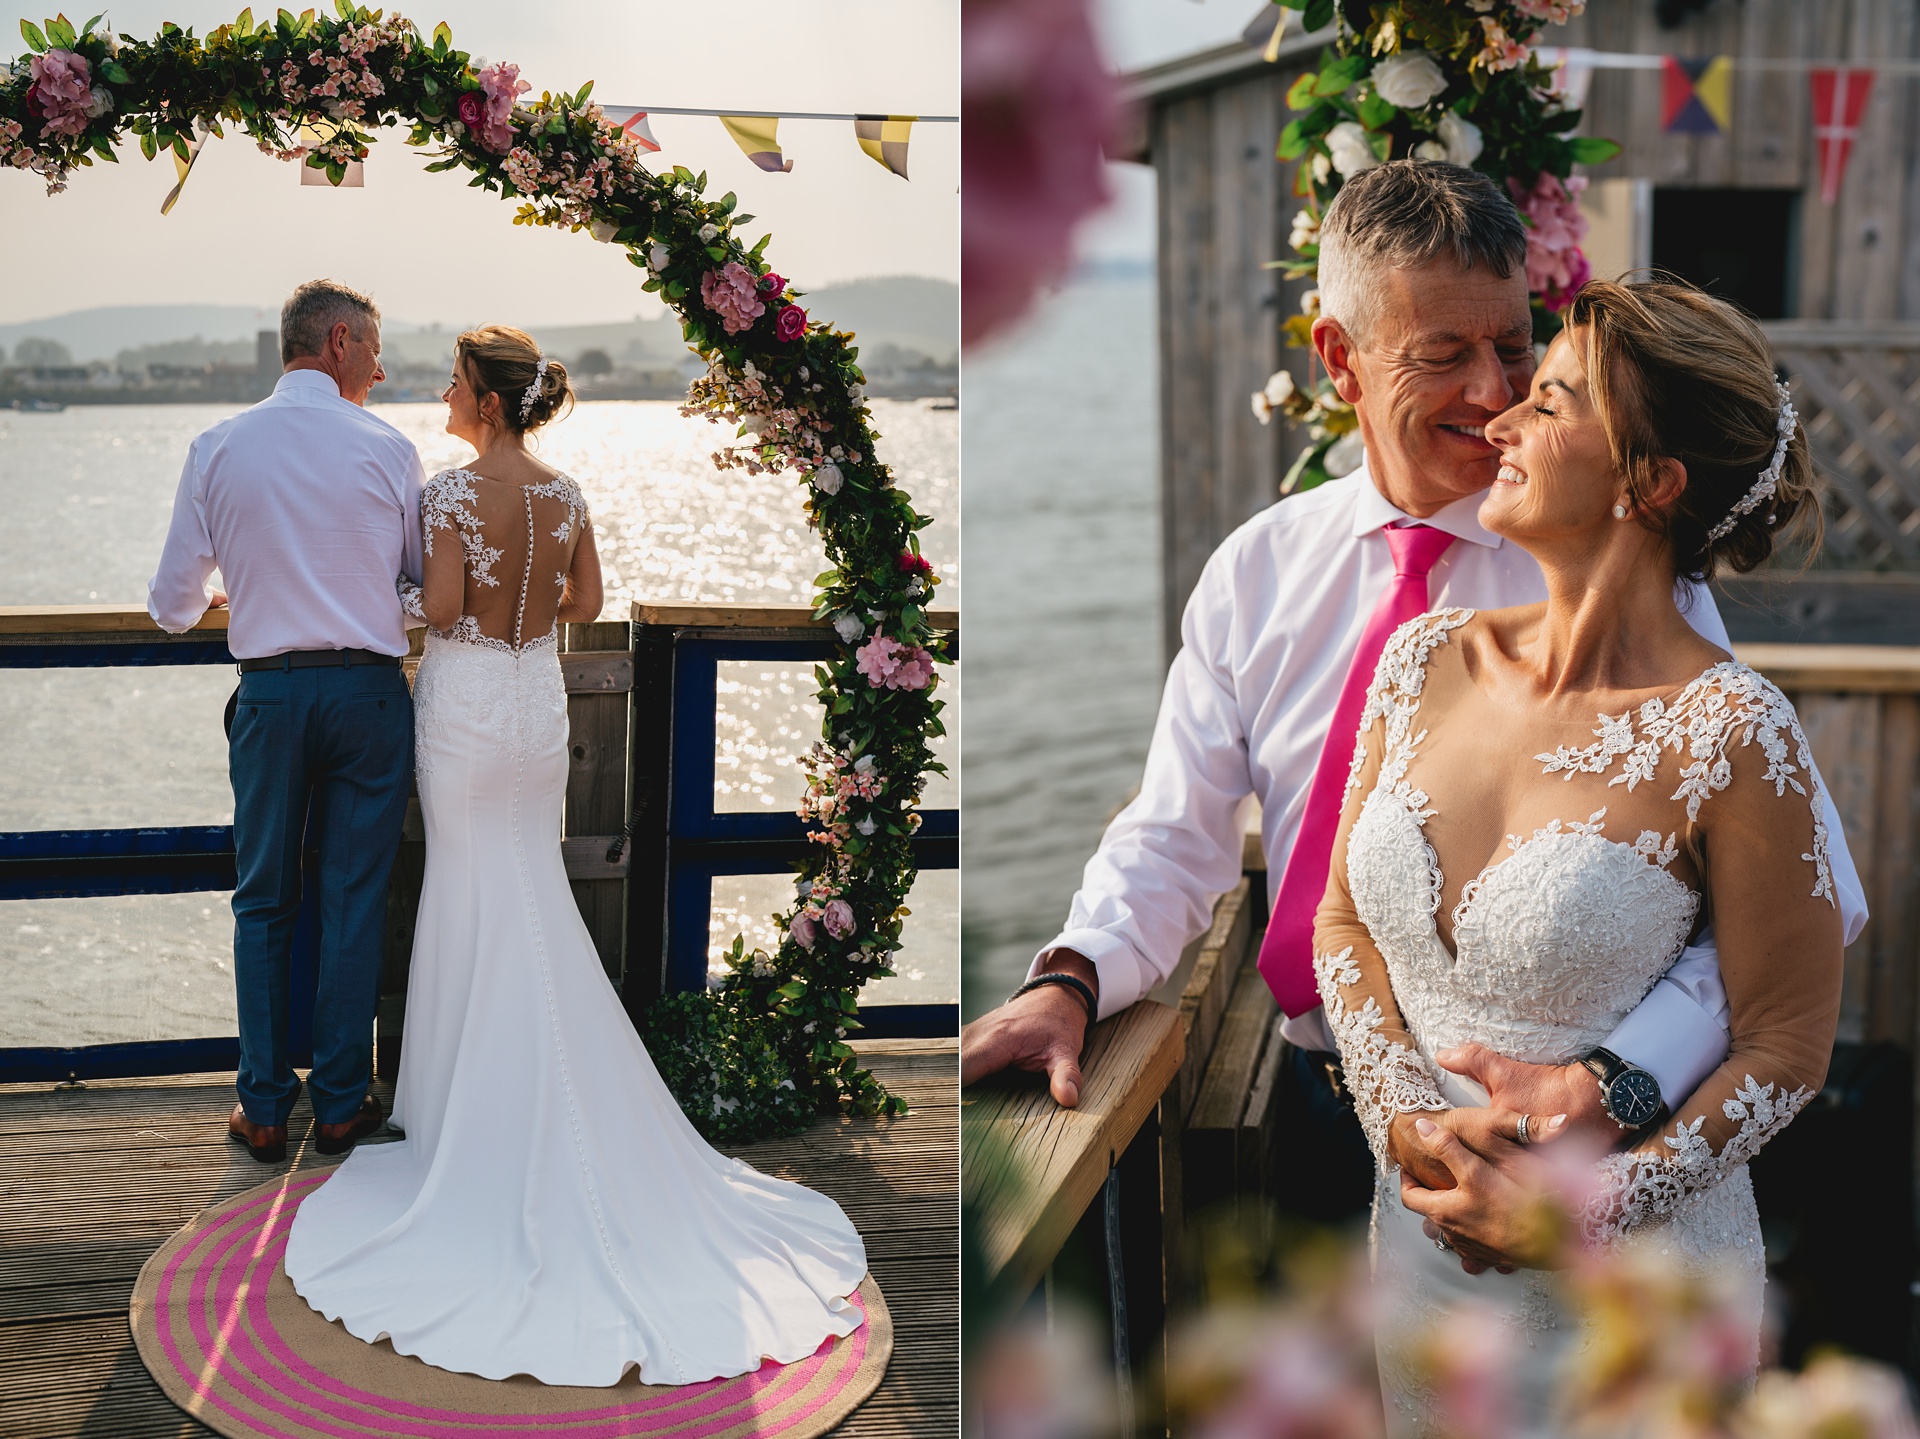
{"x": 518, "y": 543}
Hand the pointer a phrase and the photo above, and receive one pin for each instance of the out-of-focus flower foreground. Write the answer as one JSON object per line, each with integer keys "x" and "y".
{"x": 1283, "y": 1348}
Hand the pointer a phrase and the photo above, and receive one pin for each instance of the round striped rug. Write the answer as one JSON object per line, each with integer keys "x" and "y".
{"x": 218, "y": 1323}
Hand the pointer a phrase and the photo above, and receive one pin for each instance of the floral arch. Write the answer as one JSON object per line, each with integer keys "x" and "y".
{"x": 767, "y": 1050}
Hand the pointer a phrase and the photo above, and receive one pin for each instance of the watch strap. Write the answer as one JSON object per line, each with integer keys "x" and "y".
{"x": 1604, "y": 1064}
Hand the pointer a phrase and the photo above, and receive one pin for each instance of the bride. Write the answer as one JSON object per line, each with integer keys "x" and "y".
{"x": 1547, "y": 802}
{"x": 549, "y": 1211}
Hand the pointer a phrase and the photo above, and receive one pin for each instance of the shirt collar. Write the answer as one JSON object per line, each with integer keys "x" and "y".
{"x": 316, "y": 380}
{"x": 1374, "y": 511}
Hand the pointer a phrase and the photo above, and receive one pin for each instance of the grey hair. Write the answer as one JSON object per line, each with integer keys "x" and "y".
{"x": 314, "y": 309}
{"x": 1404, "y": 214}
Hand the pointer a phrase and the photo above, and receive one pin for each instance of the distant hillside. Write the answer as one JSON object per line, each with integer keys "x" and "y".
{"x": 912, "y": 312}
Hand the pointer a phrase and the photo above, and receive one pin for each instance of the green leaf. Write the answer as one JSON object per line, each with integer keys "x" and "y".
{"x": 581, "y": 98}
{"x": 32, "y": 35}
{"x": 1319, "y": 14}
{"x": 243, "y": 25}
{"x": 1335, "y": 78}
{"x": 1592, "y": 150}
{"x": 60, "y": 32}
{"x": 147, "y": 145}
{"x": 717, "y": 252}
{"x": 87, "y": 29}
{"x": 1375, "y": 113}
{"x": 743, "y": 220}
{"x": 1300, "y": 93}
{"x": 727, "y": 202}
{"x": 180, "y": 147}
{"x": 113, "y": 74}
{"x": 442, "y": 37}
{"x": 1293, "y": 142}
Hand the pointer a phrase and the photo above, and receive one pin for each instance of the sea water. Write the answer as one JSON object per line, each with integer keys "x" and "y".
{"x": 88, "y": 494}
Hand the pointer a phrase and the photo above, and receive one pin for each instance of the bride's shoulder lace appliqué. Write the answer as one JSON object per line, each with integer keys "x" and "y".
{"x": 448, "y": 502}
{"x": 1394, "y": 695}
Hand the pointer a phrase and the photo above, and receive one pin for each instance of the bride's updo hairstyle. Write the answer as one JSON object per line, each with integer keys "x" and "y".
{"x": 1678, "y": 374}
{"x": 500, "y": 360}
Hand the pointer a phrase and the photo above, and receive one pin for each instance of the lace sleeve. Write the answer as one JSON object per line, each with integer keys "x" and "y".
{"x": 1384, "y": 1069}
{"x": 410, "y": 599}
{"x": 1780, "y": 950}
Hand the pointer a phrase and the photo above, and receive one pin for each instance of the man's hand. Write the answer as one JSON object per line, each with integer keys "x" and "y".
{"x": 1491, "y": 1214}
{"x": 1492, "y": 1135}
{"x": 1538, "y": 1089}
{"x": 216, "y": 599}
{"x": 1040, "y": 1032}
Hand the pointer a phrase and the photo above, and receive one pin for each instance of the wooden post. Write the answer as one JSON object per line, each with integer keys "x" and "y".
{"x": 597, "y": 793}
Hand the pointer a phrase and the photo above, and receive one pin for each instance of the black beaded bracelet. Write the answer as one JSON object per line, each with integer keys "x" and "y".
{"x": 1078, "y": 985}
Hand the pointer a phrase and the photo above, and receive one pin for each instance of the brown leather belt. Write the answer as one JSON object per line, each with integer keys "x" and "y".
{"x": 316, "y": 659}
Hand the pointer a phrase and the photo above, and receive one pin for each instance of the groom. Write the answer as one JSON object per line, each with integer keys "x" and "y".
{"x": 309, "y": 507}
{"x": 1425, "y": 330}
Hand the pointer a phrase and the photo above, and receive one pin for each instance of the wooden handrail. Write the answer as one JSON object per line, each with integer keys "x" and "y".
{"x": 1856, "y": 669}
{"x": 754, "y": 617}
{"x": 1030, "y": 1168}
{"x": 91, "y": 620}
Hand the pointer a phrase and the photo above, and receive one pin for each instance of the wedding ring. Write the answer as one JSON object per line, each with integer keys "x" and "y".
{"x": 1443, "y": 1245}
{"x": 1521, "y": 1130}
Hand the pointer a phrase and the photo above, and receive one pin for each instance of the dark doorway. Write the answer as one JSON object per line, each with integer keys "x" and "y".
{"x": 1738, "y": 244}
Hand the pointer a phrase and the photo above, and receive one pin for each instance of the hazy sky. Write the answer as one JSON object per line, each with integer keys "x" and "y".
{"x": 428, "y": 248}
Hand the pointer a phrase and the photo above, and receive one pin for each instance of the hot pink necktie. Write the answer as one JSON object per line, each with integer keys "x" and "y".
{"x": 1286, "y": 955}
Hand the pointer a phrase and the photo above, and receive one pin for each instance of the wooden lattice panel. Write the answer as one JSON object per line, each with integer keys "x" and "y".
{"x": 1858, "y": 393}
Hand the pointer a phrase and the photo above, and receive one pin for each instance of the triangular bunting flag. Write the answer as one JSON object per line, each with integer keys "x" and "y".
{"x": 885, "y": 138}
{"x": 758, "y": 138}
{"x": 634, "y": 122}
{"x": 1572, "y": 69}
{"x": 1698, "y": 95}
{"x": 195, "y": 143}
{"x": 1839, "y": 100}
{"x": 355, "y": 177}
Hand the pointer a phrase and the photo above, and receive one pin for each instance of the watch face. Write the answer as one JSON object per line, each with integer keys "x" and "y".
{"x": 1634, "y": 1098}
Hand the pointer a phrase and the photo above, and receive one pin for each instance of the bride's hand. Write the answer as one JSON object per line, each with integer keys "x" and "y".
{"x": 1536, "y": 1089}
{"x": 1495, "y": 1213}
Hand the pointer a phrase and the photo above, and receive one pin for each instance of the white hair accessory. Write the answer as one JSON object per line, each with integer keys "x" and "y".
{"x": 1769, "y": 477}
{"x": 532, "y": 392}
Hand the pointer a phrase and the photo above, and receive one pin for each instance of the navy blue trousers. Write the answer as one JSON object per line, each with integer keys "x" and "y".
{"x": 335, "y": 745}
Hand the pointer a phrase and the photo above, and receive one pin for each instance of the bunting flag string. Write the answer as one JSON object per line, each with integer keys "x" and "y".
{"x": 1697, "y": 95}
{"x": 634, "y": 122}
{"x": 758, "y": 137}
{"x": 1839, "y": 100}
{"x": 884, "y": 137}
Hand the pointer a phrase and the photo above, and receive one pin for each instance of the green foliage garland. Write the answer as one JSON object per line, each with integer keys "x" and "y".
{"x": 766, "y": 1049}
{"x": 1461, "y": 83}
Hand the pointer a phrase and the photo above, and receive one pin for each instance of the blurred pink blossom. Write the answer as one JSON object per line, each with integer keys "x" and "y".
{"x": 1556, "y": 265}
{"x": 1038, "y": 108}
{"x": 891, "y": 665}
{"x": 503, "y": 85}
{"x": 1501, "y": 51}
{"x": 732, "y": 294}
{"x": 804, "y": 929}
{"x": 1557, "y": 12}
{"x": 838, "y": 918}
{"x": 62, "y": 91}
{"x": 790, "y": 323}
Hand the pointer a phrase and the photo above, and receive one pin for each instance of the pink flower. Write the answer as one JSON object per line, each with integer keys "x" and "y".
{"x": 1556, "y": 266}
{"x": 473, "y": 107}
{"x": 503, "y": 85}
{"x": 730, "y": 293}
{"x": 891, "y": 665}
{"x": 772, "y": 284}
{"x": 839, "y": 918}
{"x": 1039, "y": 107}
{"x": 791, "y": 323}
{"x": 1557, "y": 11}
{"x": 805, "y": 932}
{"x": 915, "y": 671}
{"x": 61, "y": 92}
{"x": 912, "y": 564}
{"x": 1502, "y": 51}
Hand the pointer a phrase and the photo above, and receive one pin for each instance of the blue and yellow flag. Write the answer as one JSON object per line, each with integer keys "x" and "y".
{"x": 758, "y": 137}
{"x": 885, "y": 138}
{"x": 1697, "y": 95}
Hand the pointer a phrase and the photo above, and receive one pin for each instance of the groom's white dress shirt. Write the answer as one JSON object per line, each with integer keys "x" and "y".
{"x": 309, "y": 506}
{"x": 1268, "y": 636}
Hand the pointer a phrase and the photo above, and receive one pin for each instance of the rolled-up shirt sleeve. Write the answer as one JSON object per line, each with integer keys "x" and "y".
{"x": 1151, "y": 886}
{"x": 177, "y": 593}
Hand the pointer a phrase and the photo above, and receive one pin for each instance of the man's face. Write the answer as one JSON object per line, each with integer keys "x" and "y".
{"x": 1448, "y": 349}
{"x": 358, "y": 356}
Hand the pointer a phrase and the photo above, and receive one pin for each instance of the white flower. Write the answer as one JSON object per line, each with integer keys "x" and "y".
{"x": 755, "y": 425}
{"x": 805, "y": 374}
{"x": 456, "y": 129}
{"x": 1409, "y": 80}
{"x": 1310, "y": 303}
{"x": 865, "y": 826}
{"x": 1262, "y": 407}
{"x": 709, "y": 233}
{"x": 863, "y": 765}
{"x": 837, "y": 452}
{"x": 747, "y": 369}
{"x": 1429, "y": 150}
{"x": 828, "y": 479}
{"x": 848, "y": 626}
{"x": 1343, "y": 457}
{"x": 106, "y": 36}
{"x": 856, "y": 393}
{"x": 1306, "y": 229}
{"x": 603, "y": 231}
{"x": 1461, "y": 137}
{"x": 915, "y": 588}
{"x": 1347, "y": 144}
{"x": 99, "y": 102}
{"x": 805, "y": 887}
{"x": 1322, "y": 167}
{"x": 1279, "y": 387}
{"x": 657, "y": 256}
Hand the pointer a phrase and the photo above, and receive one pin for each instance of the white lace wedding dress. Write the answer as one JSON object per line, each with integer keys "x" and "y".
{"x": 1553, "y": 946}
{"x": 550, "y": 1211}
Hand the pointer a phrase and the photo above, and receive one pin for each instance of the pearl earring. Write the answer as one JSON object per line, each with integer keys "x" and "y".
{"x": 1619, "y": 512}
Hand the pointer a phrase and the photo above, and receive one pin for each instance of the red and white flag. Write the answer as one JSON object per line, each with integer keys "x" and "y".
{"x": 1839, "y": 100}
{"x": 634, "y": 122}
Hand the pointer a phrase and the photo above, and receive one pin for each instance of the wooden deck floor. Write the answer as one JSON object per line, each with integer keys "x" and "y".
{"x": 92, "y": 1181}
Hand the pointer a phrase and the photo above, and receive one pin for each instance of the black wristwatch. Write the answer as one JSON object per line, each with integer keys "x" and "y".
{"x": 1629, "y": 1094}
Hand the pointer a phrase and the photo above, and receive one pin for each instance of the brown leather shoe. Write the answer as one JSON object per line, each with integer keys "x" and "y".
{"x": 265, "y": 1142}
{"x": 339, "y": 1138}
